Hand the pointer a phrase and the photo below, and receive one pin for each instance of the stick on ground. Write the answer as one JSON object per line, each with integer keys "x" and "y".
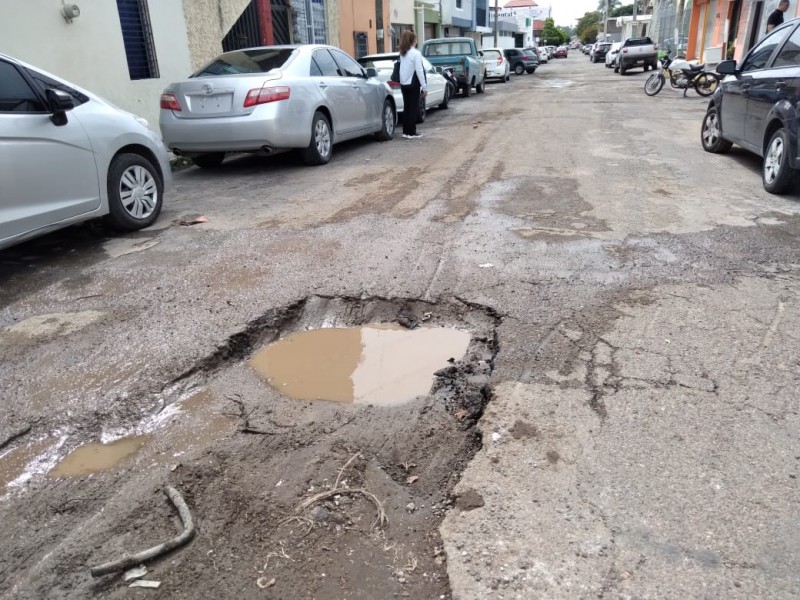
{"x": 381, "y": 521}
{"x": 156, "y": 551}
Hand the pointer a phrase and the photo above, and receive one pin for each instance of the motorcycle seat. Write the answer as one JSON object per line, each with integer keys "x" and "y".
{"x": 697, "y": 67}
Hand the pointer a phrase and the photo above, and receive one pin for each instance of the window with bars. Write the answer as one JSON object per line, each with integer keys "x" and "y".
{"x": 137, "y": 35}
{"x": 361, "y": 46}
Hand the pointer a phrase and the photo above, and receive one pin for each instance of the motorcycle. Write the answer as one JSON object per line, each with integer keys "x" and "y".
{"x": 452, "y": 83}
{"x": 682, "y": 75}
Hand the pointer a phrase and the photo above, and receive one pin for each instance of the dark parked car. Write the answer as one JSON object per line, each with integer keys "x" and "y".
{"x": 561, "y": 52}
{"x": 757, "y": 106}
{"x": 598, "y": 53}
{"x": 519, "y": 61}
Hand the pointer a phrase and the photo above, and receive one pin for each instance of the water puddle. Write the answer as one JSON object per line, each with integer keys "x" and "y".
{"x": 94, "y": 458}
{"x": 557, "y": 83}
{"x": 375, "y": 364}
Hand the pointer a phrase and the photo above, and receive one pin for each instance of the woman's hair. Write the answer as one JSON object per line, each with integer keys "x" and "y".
{"x": 406, "y": 41}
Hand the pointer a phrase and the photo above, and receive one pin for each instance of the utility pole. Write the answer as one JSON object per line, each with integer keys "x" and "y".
{"x": 605, "y": 22}
{"x": 496, "y": 17}
{"x": 634, "y": 29}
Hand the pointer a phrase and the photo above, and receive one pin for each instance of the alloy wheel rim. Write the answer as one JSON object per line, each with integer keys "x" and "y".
{"x": 711, "y": 132}
{"x": 772, "y": 162}
{"x": 323, "y": 137}
{"x": 388, "y": 119}
{"x": 138, "y": 192}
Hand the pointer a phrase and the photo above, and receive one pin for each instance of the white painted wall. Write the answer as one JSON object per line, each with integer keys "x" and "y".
{"x": 401, "y": 11}
{"x": 90, "y": 52}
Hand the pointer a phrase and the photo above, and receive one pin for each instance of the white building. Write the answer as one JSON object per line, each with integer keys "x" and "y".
{"x": 126, "y": 51}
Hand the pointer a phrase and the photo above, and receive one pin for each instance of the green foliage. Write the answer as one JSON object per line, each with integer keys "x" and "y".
{"x": 552, "y": 35}
{"x": 623, "y": 11}
{"x": 588, "y": 26}
{"x": 590, "y": 34}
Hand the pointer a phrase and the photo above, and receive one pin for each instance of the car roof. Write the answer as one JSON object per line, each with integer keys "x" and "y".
{"x": 383, "y": 55}
{"x": 448, "y": 39}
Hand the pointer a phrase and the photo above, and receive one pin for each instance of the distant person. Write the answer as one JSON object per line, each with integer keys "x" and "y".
{"x": 413, "y": 83}
{"x": 776, "y": 17}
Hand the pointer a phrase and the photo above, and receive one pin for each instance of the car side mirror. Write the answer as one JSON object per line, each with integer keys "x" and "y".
{"x": 439, "y": 70}
{"x": 727, "y": 67}
{"x": 59, "y": 103}
{"x": 371, "y": 72}
{"x": 480, "y": 53}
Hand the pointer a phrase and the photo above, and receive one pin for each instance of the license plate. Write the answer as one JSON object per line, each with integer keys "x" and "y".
{"x": 211, "y": 104}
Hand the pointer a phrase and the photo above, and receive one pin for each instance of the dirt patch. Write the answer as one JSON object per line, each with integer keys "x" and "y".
{"x": 295, "y": 492}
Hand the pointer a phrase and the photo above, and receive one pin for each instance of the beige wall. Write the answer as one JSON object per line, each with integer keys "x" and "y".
{"x": 207, "y": 22}
{"x": 355, "y": 15}
{"x": 401, "y": 11}
{"x": 332, "y": 13}
{"x": 90, "y": 51}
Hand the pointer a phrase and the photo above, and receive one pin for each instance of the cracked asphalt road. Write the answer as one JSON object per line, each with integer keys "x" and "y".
{"x": 641, "y": 439}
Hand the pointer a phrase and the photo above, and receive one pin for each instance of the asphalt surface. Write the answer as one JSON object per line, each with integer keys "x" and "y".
{"x": 641, "y": 437}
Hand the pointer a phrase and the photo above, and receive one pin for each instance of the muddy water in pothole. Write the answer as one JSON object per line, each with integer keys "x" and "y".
{"x": 14, "y": 462}
{"x": 377, "y": 365}
{"x": 94, "y": 458}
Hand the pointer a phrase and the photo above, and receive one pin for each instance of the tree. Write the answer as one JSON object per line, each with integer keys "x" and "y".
{"x": 588, "y": 26}
{"x": 623, "y": 11}
{"x": 551, "y": 35}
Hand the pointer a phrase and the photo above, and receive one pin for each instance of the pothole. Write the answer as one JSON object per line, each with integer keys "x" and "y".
{"x": 249, "y": 452}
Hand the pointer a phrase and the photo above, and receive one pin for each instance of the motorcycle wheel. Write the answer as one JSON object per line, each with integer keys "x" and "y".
{"x": 654, "y": 84}
{"x": 705, "y": 84}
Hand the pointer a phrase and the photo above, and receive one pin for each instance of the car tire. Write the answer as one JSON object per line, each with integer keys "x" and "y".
{"x": 135, "y": 192}
{"x": 320, "y": 148}
{"x": 622, "y": 69}
{"x": 481, "y": 87}
{"x": 616, "y": 68}
{"x": 466, "y": 89}
{"x": 388, "y": 121}
{"x": 519, "y": 69}
{"x": 423, "y": 110}
{"x": 710, "y": 134}
{"x": 209, "y": 161}
{"x": 450, "y": 91}
{"x": 776, "y": 172}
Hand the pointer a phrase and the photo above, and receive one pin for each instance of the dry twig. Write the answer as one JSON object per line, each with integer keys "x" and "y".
{"x": 131, "y": 561}
{"x": 344, "y": 468}
{"x": 382, "y": 520}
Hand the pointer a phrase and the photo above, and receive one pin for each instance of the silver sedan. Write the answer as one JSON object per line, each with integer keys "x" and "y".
{"x": 275, "y": 98}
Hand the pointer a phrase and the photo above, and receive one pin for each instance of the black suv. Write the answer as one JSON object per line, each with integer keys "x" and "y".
{"x": 519, "y": 61}
{"x": 757, "y": 106}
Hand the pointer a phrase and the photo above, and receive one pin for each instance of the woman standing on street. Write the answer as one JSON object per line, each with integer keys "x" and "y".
{"x": 413, "y": 83}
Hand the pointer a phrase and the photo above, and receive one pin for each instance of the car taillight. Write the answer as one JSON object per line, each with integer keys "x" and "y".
{"x": 393, "y": 84}
{"x": 265, "y": 95}
{"x": 499, "y": 61}
{"x": 624, "y": 50}
{"x": 170, "y": 102}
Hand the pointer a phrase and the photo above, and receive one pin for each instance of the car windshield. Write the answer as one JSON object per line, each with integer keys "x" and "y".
{"x": 384, "y": 62}
{"x": 245, "y": 62}
{"x": 639, "y": 41}
{"x": 604, "y": 46}
{"x": 491, "y": 54}
{"x": 447, "y": 49}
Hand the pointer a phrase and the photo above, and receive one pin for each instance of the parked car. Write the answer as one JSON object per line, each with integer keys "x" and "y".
{"x": 637, "y": 52}
{"x": 541, "y": 54}
{"x": 611, "y": 56}
{"x": 561, "y": 52}
{"x": 463, "y": 56}
{"x": 67, "y": 156}
{"x": 756, "y": 107}
{"x": 533, "y": 62}
{"x": 275, "y": 98}
{"x": 439, "y": 89}
{"x": 551, "y": 51}
{"x": 497, "y": 65}
{"x": 519, "y": 61}
{"x": 598, "y": 53}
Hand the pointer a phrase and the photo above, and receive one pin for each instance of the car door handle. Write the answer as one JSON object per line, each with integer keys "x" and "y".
{"x": 323, "y": 85}
{"x": 780, "y": 84}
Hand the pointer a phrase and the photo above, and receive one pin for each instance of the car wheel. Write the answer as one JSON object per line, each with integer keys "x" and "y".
{"x": 777, "y": 173}
{"x": 423, "y": 110}
{"x": 135, "y": 192}
{"x": 480, "y": 88}
{"x": 321, "y": 146}
{"x": 711, "y": 135}
{"x": 622, "y": 69}
{"x": 209, "y": 161}
{"x": 616, "y": 68}
{"x": 388, "y": 121}
{"x": 519, "y": 70}
{"x": 451, "y": 91}
{"x": 466, "y": 89}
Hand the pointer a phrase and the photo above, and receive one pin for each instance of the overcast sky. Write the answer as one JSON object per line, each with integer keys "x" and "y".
{"x": 567, "y": 12}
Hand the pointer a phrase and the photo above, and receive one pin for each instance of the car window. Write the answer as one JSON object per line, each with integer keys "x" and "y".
{"x": 760, "y": 55}
{"x": 427, "y": 66}
{"x": 646, "y": 41}
{"x": 492, "y": 54}
{"x": 378, "y": 63}
{"x": 257, "y": 60}
{"x": 325, "y": 63}
{"x": 447, "y": 49}
{"x": 789, "y": 56}
{"x": 16, "y": 95}
{"x": 44, "y": 82}
{"x": 349, "y": 67}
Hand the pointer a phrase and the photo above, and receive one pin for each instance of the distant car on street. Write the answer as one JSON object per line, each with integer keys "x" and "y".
{"x": 611, "y": 56}
{"x": 561, "y": 52}
{"x": 497, "y": 65}
{"x": 275, "y": 98}
{"x": 598, "y": 53}
{"x": 519, "y": 61}
{"x": 68, "y": 156}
